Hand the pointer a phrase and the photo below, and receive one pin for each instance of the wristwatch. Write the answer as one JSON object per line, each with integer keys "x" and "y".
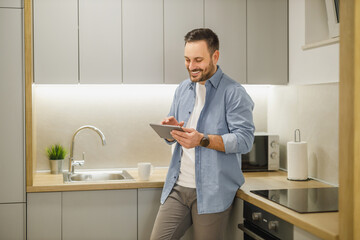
{"x": 205, "y": 141}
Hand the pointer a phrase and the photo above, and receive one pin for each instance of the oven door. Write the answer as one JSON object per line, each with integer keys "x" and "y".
{"x": 252, "y": 232}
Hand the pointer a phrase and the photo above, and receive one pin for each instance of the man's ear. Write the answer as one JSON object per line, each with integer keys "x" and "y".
{"x": 215, "y": 56}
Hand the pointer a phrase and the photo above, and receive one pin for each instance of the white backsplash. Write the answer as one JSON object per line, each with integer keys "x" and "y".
{"x": 121, "y": 112}
{"x": 314, "y": 109}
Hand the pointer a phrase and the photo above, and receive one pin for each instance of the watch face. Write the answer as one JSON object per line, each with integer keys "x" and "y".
{"x": 204, "y": 142}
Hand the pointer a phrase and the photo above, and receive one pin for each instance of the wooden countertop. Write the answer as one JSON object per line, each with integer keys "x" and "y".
{"x": 46, "y": 182}
{"x": 323, "y": 225}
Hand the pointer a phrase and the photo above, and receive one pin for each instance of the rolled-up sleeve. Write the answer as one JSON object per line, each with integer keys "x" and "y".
{"x": 239, "y": 107}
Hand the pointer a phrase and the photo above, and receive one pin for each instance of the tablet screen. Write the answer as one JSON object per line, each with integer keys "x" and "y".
{"x": 164, "y": 130}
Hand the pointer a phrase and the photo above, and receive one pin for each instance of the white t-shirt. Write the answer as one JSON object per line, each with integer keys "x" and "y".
{"x": 187, "y": 167}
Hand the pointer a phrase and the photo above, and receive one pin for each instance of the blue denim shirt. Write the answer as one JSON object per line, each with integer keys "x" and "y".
{"x": 227, "y": 112}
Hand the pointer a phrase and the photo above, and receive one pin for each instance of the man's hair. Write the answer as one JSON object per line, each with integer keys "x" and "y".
{"x": 205, "y": 34}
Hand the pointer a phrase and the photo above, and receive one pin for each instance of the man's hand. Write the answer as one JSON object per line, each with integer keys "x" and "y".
{"x": 188, "y": 139}
{"x": 172, "y": 121}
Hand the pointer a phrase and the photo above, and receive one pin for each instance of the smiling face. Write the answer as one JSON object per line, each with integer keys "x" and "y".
{"x": 200, "y": 65}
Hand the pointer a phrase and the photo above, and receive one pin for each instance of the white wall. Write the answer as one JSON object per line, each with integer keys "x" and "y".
{"x": 313, "y": 108}
{"x": 122, "y": 112}
{"x": 318, "y": 65}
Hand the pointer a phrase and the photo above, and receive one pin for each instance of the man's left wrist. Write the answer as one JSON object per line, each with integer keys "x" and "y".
{"x": 204, "y": 141}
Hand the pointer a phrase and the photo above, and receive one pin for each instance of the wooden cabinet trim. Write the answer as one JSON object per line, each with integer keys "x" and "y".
{"x": 349, "y": 121}
{"x": 30, "y": 165}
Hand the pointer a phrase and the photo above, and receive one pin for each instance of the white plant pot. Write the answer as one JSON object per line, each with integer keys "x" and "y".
{"x": 56, "y": 166}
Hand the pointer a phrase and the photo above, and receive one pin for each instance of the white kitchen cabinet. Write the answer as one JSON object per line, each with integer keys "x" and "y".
{"x": 143, "y": 41}
{"x": 11, "y": 4}
{"x": 12, "y": 221}
{"x": 55, "y": 41}
{"x": 267, "y": 42}
{"x": 44, "y": 216}
{"x": 227, "y": 18}
{"x": 100, "y": 53}
{"x": 99, "y": 215}
{"x": 148, "y": 206}
{"x": 236, "y": 217}
{"x": 12, "y": 164}
{"x": 176, "y": 25}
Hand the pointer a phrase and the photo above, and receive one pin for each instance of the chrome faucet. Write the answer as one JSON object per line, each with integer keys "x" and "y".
{"x": 72, "y": 162}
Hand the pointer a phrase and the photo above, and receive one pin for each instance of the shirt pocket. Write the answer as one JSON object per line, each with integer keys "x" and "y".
{"x": 184, "y": 113}
{"x": 185, "y": 108}
{"x": 215, "y": 123}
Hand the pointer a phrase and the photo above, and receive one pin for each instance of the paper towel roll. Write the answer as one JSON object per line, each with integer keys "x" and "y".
{"x": 297, "y": 160}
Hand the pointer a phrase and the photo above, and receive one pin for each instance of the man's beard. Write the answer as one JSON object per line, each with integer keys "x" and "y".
{"x": 205, "y": 76}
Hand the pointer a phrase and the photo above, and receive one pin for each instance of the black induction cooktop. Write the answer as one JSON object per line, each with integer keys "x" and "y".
{"x": 304, "y": 200}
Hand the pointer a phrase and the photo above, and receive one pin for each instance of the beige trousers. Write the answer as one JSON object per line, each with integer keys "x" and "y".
{"x": 179, "y": 212}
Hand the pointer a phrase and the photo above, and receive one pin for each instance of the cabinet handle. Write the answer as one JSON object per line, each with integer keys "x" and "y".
{"x": 249, "y": 232}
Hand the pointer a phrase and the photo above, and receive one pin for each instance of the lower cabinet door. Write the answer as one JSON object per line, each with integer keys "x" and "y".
{"x": 12, "y": 221}
{"x": 99, "y": 215}
{"x": 148, "y": 206}
{"x": 44, "y": 216}
{"x": 236, "y": 217}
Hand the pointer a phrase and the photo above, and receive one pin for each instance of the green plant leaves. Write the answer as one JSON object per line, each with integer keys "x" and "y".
{"x": 56, "y": 152}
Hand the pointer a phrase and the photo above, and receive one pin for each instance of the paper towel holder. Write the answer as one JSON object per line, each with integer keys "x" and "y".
{"x": 297, "y": 130}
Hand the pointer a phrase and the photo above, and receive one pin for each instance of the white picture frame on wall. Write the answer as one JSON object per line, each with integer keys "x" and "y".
{"x": 332, "y": 9}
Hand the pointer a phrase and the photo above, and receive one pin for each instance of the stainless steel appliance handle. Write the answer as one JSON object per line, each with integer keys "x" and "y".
{"x": 249, "y": 232}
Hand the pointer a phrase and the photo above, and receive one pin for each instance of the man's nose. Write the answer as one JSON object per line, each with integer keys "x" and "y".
{"x": 192, "y": 65}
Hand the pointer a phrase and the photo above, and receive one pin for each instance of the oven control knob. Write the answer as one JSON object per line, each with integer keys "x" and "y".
{"x": 273, "y": 225}
{"x": 273, "y": 155}
{"x": 273, "y": 144}
{"x": 256, "y": 216}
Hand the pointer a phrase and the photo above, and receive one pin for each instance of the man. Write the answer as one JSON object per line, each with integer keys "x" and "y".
{"x": 205, "y": 169}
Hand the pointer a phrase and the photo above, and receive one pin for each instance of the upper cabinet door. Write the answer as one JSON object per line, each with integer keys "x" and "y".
{"x": 55, "y": 41}
{"x": 100, "y": 41}
{"x": 11, "y": 4}
{"x": 267, "y": 41}
{"x": 12, "y": 164}
{"x": 227, "y": 18}
{"x": 143, "y": 41}
{"x": 181, "y": 16}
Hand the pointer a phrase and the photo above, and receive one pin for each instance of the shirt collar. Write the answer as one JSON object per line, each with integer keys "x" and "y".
{"x": 214, "y": 80}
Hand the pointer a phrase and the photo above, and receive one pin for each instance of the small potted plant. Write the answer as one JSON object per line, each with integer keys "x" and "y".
{"x": 56, "y": 154}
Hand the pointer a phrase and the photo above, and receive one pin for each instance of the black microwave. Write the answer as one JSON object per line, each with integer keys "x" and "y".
{"x": 264, "y": 155}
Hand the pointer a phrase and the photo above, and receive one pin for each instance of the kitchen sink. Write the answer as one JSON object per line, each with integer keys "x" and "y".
{"x": 98, "y": 176}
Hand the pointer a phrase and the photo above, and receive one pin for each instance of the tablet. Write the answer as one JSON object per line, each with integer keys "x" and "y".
{"x": 164, "y": 130}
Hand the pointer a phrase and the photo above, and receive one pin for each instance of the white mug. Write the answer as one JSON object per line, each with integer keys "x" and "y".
{"x": 144, "y": 170}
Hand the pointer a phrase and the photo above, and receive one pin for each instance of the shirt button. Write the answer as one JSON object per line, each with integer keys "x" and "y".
{"x": 174, "y": 176}
{"x": 189, "y": 112}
